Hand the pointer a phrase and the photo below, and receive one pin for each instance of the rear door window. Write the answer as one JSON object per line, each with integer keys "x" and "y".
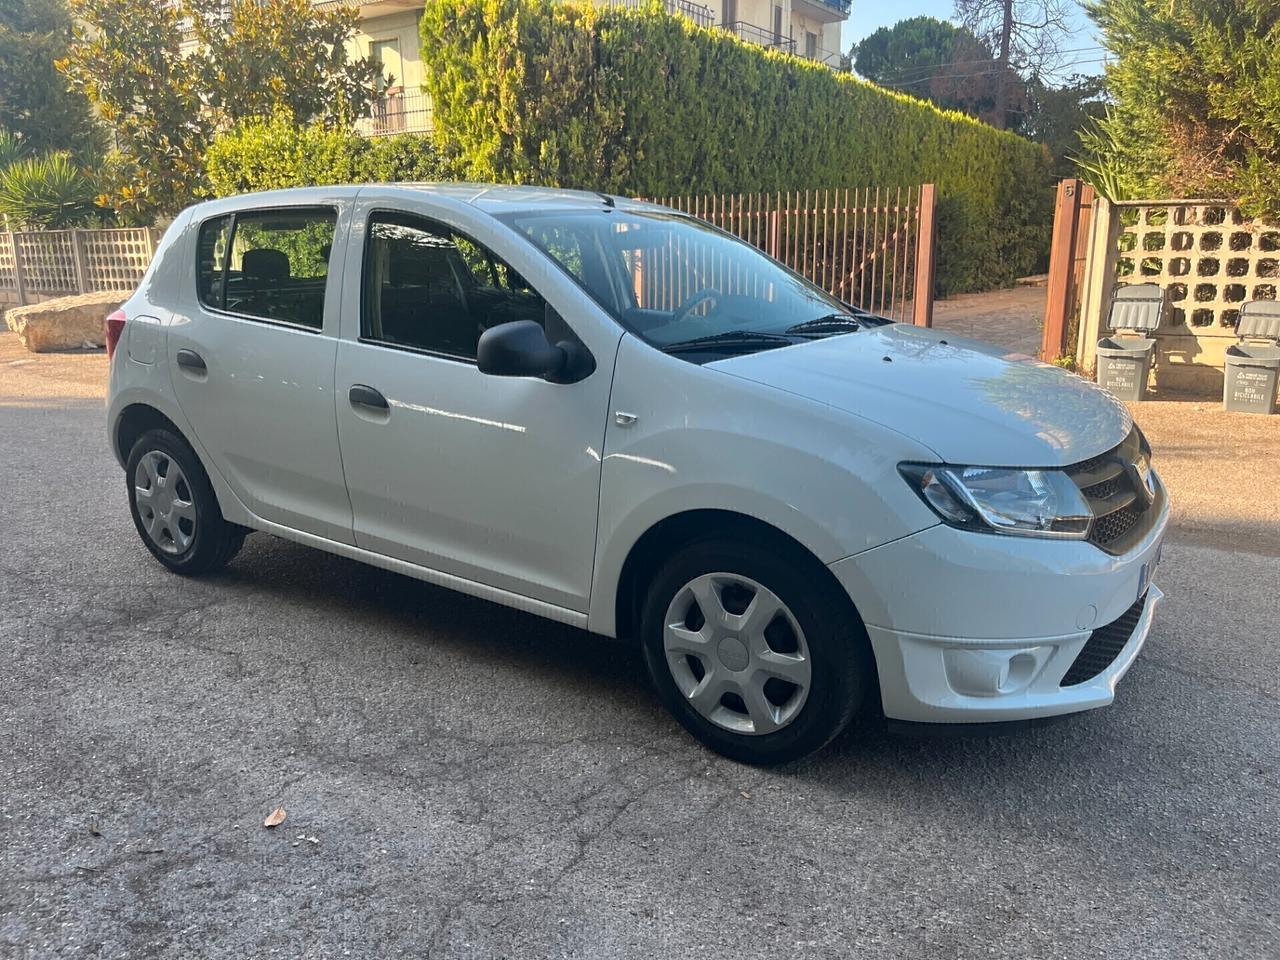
{"x": 267, "y": 264}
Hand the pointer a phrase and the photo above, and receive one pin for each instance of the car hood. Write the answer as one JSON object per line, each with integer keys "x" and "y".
{"x": 970, "y": 402}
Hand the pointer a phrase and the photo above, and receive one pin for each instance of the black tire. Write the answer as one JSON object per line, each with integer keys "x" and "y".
{"x": 213, "y": 541}
{"x": 841, "y": 664}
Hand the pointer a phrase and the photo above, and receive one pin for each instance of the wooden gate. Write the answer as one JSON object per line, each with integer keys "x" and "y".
{"x": 1072, "y": 213}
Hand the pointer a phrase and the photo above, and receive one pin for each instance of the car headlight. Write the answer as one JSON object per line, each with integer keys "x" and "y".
{"x": 1025, "y": 503}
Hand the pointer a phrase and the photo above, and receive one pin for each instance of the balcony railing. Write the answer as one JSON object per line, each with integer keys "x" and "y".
{"x": 831, "y": 58}
{"x": 401, "y": 111}
{"x": 760, "y": 36}
{"x": 840, "y": 6}
{"x": 702, "y": 15}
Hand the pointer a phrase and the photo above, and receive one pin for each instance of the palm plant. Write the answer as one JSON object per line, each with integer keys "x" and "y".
{"x": 46, "y": 192}
{"x": 11, "y": 149}
{"x": 1104, "y": 163}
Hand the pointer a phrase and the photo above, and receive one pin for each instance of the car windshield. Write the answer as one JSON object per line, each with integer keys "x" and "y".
{"x": 684, "y": 286}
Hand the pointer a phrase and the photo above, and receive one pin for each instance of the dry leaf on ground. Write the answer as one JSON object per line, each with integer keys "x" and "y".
{"x": 275, "y": 817}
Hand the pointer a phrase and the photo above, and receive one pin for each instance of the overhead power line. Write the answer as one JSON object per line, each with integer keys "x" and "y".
{"x": 923, "y": 70}
{"x": 990, "y": 71}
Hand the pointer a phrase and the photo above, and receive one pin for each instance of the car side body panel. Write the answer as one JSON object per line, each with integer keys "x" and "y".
{"x": 264, "y": 407}
{"x": 451, "y": 476}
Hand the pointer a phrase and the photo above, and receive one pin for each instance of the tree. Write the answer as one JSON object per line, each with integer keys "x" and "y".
{"x": 127, "y": 59}
{"x": 283, "y": 56}
{"x": 938, "y": 61}
{"x": 244, "y": 59}
{"x": 1025, "y": 36}
{"x": 36, "y": 104}
{"x": 1057, "y": 117}
{"x": 1196, "y": 92}
{"x": 905, "y": 52}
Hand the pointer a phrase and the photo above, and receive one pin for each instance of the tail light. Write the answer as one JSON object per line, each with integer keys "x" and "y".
{"x": 114, "y": 328}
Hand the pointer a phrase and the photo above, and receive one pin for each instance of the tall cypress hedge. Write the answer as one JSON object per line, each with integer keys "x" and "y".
{"x": 641, "y": 102}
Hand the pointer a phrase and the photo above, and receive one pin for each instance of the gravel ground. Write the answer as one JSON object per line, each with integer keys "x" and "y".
{"x": 463, "y": 780}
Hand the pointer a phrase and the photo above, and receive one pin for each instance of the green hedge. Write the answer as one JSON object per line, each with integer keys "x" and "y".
{"x": 276, "y": 153}
{"x": 640, "y": 102}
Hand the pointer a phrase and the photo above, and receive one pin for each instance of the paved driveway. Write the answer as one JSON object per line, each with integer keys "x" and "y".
{"x": 1012, "y": 318}
{"x": 464, "y": 780}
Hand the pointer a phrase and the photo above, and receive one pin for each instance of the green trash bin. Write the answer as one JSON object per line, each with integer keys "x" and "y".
{"x": 1252, "y": 369}
{"x": 1124, "y": 363}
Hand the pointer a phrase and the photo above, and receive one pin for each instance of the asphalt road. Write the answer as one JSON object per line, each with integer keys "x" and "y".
{"x": 463, "y": 780}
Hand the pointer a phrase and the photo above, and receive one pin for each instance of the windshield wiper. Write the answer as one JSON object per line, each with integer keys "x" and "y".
{"x": 730, "y": 339}
{"x": 831, "y": 323}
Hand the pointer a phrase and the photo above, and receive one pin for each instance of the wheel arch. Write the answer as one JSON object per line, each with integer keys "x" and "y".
{"x": 678, "y": 530}
{"x": 135, "y": 420}
{"x": 139, "y": 416}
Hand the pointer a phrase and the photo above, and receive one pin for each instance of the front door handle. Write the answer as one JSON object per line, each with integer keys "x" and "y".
{"x": 190, "y": 360}
{"x": 363, "y": 396}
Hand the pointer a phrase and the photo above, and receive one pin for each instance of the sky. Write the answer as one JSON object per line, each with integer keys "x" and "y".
{"x": 869, "y": 15}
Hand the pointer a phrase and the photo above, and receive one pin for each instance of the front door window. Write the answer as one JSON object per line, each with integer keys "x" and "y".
{"x": 431, "y": 288}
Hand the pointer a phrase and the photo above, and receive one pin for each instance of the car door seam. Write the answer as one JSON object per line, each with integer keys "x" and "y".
{"x": 604, "y": 437}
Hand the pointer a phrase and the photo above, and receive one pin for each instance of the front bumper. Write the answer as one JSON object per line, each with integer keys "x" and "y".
{"x": 974, "y": 628}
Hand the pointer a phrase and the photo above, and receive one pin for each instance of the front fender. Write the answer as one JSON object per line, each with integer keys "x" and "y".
{"x": 705, "y": 440}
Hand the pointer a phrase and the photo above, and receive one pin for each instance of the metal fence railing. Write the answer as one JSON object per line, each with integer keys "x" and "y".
{"x": 872, "y": 247}
{"x": 405, "y": 111}
{"x": 50, "y": 263}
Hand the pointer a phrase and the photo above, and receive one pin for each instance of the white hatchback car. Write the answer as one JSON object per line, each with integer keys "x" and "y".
{"x": 615, "y": 415}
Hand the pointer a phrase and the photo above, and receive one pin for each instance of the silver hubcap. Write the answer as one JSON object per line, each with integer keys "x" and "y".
{"x": 737, "y": 653}
{"x": 165, "y": 503}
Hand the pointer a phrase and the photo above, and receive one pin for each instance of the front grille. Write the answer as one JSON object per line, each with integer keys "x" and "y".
{"x": 1113, "y": 526}
{"x": 1104, "y": 645}
{"x": 1121, "y": 510}
{"x": 1107, "y": 488}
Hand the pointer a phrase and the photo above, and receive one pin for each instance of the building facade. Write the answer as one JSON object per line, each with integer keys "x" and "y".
{"x": 389, "y": 34}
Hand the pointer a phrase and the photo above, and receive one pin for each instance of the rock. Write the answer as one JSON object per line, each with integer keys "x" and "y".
{"x": 65, "y": 323}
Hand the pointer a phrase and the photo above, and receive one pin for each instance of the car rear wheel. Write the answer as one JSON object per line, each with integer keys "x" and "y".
{"x": 755, "y": 656}
{"x": 174, "y": 507}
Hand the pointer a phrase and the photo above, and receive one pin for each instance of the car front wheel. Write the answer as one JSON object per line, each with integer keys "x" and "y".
{"x": 755, "y": 655}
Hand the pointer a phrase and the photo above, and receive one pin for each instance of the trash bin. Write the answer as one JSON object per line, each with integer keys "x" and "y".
{"x": 1252, "y": 372}
{"x": 1124, "y": 365}
{"x": 1252, "y": 369}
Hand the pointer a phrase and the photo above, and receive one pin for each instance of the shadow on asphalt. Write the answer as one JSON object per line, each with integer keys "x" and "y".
{"x": 362, "y": 599}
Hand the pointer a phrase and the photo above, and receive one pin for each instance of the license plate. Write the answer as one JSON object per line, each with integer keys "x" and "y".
{"x": 1149, "y": 569}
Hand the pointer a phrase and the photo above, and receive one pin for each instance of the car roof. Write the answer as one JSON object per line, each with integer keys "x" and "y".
{"x": 492, "y": 198}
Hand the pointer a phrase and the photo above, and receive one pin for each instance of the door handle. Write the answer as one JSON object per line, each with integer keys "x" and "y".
{"x": 190, "y": 360}
{"x": 361, "y": 395}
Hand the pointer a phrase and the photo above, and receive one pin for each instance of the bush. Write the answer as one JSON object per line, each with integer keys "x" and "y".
{"x": 277, "y": 153}
{"x": 640, "y": 102}
{"x": 48, "y": 192}
{"x": 1193, "y": 108}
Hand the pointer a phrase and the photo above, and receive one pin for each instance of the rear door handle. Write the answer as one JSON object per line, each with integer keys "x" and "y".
{"x": 190, "y": 360}
{"x": 363, "y": 396}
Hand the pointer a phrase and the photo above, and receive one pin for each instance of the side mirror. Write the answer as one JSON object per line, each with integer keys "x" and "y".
{"x": 521, "y": 349}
